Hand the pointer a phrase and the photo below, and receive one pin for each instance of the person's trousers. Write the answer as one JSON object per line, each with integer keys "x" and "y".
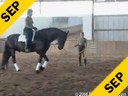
{"x": 28, "y": 34}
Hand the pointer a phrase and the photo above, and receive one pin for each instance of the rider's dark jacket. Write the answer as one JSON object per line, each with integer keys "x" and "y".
{"x": 28, "y": 32}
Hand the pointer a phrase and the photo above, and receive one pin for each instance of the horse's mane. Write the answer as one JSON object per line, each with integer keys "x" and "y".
{"x": 47, "y": 32}
{"x": 52, "y": 29}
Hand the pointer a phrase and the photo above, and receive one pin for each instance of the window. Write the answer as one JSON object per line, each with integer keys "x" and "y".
{"x": 60, "y": 20}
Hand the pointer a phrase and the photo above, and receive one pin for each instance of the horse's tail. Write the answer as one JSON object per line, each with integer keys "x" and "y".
{"x": 6, "y": 55}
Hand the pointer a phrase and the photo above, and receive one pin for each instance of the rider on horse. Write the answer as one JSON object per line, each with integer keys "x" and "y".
{"x": 28, "y": 30}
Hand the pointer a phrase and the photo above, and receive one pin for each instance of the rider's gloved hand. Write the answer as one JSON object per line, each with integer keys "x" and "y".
{"x": 35, "y": 28}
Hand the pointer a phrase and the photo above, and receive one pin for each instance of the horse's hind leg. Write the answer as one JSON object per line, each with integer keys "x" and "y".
{"x": 14, "y": 60}
{"x": 5, "y": 61}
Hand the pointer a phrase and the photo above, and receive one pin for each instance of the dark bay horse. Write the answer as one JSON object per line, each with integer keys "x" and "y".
{"x": 40, "y": 45}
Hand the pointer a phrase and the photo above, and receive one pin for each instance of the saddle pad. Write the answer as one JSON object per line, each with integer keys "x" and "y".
{"x": 22, "y": 38}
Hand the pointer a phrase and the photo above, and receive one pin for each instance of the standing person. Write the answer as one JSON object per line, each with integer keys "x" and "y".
{"x": 82, "y": 44}
{"x": 28, "y": 30}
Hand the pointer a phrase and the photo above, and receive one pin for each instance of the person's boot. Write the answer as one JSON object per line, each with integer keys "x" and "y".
{"x": 27, "y": 49}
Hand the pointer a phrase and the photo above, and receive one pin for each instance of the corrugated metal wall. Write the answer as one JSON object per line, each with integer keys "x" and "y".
{"x": 111, "y": 28}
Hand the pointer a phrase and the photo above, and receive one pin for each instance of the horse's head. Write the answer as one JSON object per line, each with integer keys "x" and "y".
{"x": 61, "y": 40}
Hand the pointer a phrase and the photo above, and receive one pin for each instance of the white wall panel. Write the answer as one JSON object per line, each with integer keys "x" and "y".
{"x": 111, "y": 28}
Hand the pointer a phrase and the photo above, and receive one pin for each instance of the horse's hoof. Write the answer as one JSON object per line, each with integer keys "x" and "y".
{"x": 41, "y": 68}
{"x": 19, "y": 70}
{"x": 37, "y": 71}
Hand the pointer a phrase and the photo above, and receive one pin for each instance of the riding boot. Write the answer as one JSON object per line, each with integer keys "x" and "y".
{"x": 27, "y": 47}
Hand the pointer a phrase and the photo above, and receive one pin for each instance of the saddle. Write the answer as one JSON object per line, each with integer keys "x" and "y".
{"x": 22, "y": 38}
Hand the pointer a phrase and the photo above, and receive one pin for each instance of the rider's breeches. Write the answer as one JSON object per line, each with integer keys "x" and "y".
{"x": 28, "y": 34}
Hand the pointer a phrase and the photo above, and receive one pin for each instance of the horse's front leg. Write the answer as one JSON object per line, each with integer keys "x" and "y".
{"x": 45, "y": 63}
{"x": 14, "y": 60}
{"x": 40, "y": 66}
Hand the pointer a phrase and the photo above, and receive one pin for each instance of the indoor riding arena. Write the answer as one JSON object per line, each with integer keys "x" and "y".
{"x": 107, "y": 46}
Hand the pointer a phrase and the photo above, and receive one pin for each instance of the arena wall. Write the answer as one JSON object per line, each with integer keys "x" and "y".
{"x": 103, "y": 49}
{"x": 94, "y": 49}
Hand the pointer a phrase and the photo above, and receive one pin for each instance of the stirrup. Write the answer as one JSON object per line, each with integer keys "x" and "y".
{"x": 27, "y": 50}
